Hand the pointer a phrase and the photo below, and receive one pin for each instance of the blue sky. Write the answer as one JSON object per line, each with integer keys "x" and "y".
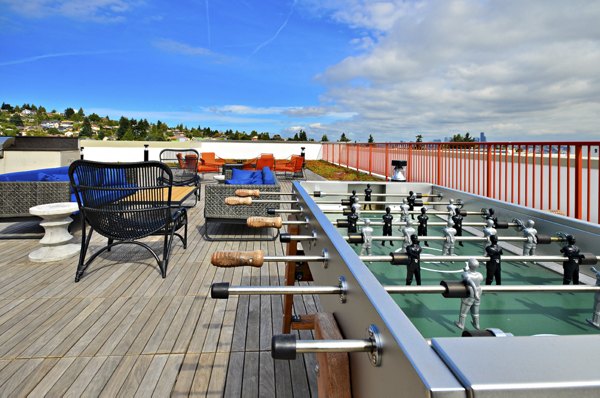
{"x": 516, "y": 70}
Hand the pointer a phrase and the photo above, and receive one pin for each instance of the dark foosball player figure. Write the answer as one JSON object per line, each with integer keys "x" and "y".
{"x": 352, "y": 220}
{"x": 457, "y": 219}
{"x": 490, "y": 215}
{"x": 368, "y": 192}
{"x": 414, "y": 261}
{"x": 494, "y": 265}
{"x": 422, "y": 228}
{"x": 571, "y": 265}
{"x": 412, "y": 198}
{"x": 353, "y": 198}
{"x": 387, "y": 225}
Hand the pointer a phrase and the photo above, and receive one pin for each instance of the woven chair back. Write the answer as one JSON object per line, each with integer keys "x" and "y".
{"x": 183, "y": 164}
{"x": 123, "y": 201}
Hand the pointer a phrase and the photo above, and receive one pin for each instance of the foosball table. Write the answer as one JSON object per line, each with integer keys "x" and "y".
{"x": 531, "y": 333}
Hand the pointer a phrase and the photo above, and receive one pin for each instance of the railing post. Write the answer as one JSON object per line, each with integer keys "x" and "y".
{"x": 488, "y": 172}
{"x": 81, "y": 153}
{"x": 438, "y": 180}
{"x": 357, "y": 161}
{"x": 578, "y": 182}
{"x": 409, "y": 164}
{"x": 146, "y": 153}
{"x": 387, "y": 160}
{"x": 370, "y": 159}
{"x": 347, "y": 156}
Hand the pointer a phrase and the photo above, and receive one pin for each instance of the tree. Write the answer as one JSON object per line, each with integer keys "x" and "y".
{"x": 7, "y": 107}
{"x": 69, "y": 112}
{"x": 459, "y": 138}
{"x": 123, "y": 127}
{"x": 371, "y": 140}
{"x": 16, "y": 120}
{"x": 94, "y": 118}
{"x": 343, "y": 138}
{"x": 302, "y": 136}
{"x": 419, "y": 138}
{"x": 86, "y": 129}
{"x": 324, "y": 138}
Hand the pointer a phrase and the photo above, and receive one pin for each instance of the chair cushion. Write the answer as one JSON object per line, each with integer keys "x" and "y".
{"x": 268, "y": 177}
{"x": 51, "y": 174}
{"x": 245, "y": 177}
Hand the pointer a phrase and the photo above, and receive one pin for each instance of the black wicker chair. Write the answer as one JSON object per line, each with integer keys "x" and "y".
{"x": 184, "y": 166}
{"x": 125, "y": 202}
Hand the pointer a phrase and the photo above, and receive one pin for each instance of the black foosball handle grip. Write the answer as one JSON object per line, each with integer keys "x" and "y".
{"x": 219, "y": 290}
{"x": 285, "y": 238}
{"x": 477, "y": 333}
{"x": 356, "y": 238}
{"x": 455, "y": 289}
{"x": 283, "y": 346}
{"x": 543, "y": 239}
{"x": 346, "y": 202}
{"x": 501, "y": 225}
{"x": 346, "y": 212}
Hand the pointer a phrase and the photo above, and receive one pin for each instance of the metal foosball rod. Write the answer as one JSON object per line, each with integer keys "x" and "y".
{"x": 317, "y": 194}
{"x": 343, "y": 223}
{"x": 321, "y": 194}
{"x": 448, "y": 289}
{"x": 346, "y": 202}
{"x": 287, "y": 346}
{"x": 404, "y": 259}
{"x": 359, "y": 238}
{"x": 257, "y": 258}
{"x": 347, "y": 211}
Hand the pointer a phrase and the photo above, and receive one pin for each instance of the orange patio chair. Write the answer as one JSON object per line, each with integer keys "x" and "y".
{"x": 264, "y": 160}
{"x": 292, "y": 165}
{"x": 210, "y": 159}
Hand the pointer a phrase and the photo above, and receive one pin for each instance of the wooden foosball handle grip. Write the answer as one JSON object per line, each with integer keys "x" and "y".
{"x": 264, "y": 222}
{"x": 235, "y": 201}
{"x": 237, "y": 259}
{"x": 247, "y": 192}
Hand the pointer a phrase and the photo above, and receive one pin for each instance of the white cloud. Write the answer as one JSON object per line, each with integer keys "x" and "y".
{"x": 90, "y": 10}
{"x": 509, "y": 68}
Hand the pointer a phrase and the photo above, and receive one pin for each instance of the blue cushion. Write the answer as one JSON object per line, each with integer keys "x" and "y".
{"x": 245, "y": 177}
{"x": 51, "y": 174}
{"x": 268, "y": 177}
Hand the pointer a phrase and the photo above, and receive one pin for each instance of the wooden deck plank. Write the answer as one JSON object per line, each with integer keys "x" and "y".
{"x": 266, "y": 386}
{"x": 42, "y": 388}
{"x": 123, "y": 330}
{"x": 250, "y": 379}
{"x": 185, "y": 376}
{"x": 99, "y": 380}
{"x": 201, "y": 380}
{"x": 165, "y": 383}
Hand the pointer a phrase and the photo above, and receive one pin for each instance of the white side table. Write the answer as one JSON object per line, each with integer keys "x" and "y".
{"x": 55, "y": 220}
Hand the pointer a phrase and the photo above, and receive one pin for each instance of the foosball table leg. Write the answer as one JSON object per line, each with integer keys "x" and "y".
{"x": 333, "y": 373}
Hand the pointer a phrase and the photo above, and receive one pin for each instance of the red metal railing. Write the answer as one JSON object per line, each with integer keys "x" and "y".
{"x": 561, "y": 177}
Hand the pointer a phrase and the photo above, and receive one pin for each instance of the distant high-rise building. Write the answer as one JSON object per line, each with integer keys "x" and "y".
{"x": 482, "y": 137}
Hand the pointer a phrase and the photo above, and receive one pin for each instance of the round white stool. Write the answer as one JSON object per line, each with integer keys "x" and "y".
{"x": 55, "y": 220}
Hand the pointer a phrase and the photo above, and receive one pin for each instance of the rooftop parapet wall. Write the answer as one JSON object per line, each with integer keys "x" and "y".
{"x": 131, "y": 151}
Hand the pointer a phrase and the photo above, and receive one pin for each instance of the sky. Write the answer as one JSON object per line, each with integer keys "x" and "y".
{"x": 516, "y": 70}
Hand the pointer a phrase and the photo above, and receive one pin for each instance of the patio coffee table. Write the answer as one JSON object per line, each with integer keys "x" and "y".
{"x": 55, "y": 220}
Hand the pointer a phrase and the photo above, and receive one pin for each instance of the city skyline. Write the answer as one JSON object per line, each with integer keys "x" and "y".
{"x": 518, "y": 71}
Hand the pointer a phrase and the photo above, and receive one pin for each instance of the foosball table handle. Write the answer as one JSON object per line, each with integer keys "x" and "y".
{"x": 238, "y": 259}
{"x": 265, "y": 222}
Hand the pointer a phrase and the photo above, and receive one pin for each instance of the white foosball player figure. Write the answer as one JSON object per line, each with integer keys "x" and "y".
{"x": 356, "y": 205}
{"x": 367, "y": 232}
{"x": 488, "y": 231}
{"x": 407, "y": 230}
{"x": 450, "y": 241}
{"x": 404, "y": 208}
{"x": 472, "y": 279}
{"x": 451, "y": 207}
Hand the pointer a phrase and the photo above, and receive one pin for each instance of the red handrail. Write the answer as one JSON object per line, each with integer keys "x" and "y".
{"x": 536, "y": 168}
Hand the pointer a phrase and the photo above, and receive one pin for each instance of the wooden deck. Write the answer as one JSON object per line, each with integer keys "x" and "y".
{"x": 125, "y": 331}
